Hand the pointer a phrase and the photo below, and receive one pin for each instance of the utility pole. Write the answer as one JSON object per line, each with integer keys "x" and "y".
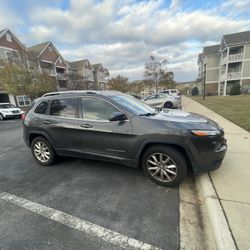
{"x": 204, "y": 79}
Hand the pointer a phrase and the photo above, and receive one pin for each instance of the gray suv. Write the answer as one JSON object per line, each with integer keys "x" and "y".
{"x": 111, "y": 126}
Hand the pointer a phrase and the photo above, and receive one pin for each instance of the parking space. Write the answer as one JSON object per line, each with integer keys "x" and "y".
{"x": 111, "y": 196}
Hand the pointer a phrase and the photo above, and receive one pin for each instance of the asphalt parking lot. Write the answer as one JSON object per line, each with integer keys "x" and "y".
{"x": 110, "y": 196}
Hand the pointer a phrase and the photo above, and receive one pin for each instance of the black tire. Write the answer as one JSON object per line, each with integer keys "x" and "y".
{"x": 174, "y": 170}
{"x": 1, "y": 117}
{"x": 51, "y": 156}
{"x": 168, "y": 105}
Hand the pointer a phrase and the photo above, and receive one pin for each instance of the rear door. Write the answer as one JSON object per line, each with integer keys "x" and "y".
{"x": 61, "y": 123}
{"x": 99, "y": 136}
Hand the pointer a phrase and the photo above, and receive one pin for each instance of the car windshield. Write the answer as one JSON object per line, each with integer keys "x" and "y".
{"x": 173, "y": 91}
{"x": 133, "y": 105}
{"x": 6, "y": 106}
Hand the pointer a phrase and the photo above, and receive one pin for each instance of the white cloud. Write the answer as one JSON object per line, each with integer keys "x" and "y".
{"x": 122, "y": 34}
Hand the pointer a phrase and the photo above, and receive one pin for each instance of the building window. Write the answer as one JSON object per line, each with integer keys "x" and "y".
{"x": 50, "y": 49}
{"x": 60, "y": 60}
{"x": 8, "y": 37}
{"x": 23, "y": 100}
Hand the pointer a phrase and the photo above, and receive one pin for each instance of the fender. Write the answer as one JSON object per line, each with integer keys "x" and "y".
{"x": 173, "y": 143}
{"x": 42, "y": 134}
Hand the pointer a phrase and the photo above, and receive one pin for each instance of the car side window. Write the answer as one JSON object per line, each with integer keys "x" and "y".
{"x": 97, "y": 109}
{"x": 64, "y": 107}
{"x": 41, "y": 108}
{"x": 162, "y": 96}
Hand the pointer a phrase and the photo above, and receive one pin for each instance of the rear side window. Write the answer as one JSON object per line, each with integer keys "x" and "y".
{"x": 41, "y": 108}
{"x": 64, "y": 108}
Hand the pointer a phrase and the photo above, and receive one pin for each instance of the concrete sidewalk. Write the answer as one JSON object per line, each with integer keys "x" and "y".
{"x": 232, "y": 180}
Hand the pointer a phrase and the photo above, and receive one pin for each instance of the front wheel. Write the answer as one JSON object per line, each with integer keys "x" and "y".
{"x": 42, "y": 151}
{"x": 1, "y": 117}
{"x": 168, "y": 105}
{"x": 164, "y": 165}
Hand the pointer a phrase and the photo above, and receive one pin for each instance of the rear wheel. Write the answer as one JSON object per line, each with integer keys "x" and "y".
{"x": 164, "y": 165}
{"x": 1, "y": 117}
{"x": 42, "y": 151}
{"x": 168, "y": 105}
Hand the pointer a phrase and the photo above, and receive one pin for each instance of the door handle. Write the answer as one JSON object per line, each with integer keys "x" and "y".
{"x": 86, "y": 126}
{"x": 47, "y": 122}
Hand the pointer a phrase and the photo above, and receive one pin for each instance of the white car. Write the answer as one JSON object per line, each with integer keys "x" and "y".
{"x": 173, "y": 92}
{"x": 163, "y": 101}
{"x": 8, "y": 110}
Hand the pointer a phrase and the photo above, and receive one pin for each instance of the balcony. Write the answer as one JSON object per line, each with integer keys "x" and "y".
{"x": 234, "y": 75}
{"x": 62, "y": 76}
{"x": 50, "y": 72}
{"x": 223, "y": 60}
{"x": 235, "y": 57}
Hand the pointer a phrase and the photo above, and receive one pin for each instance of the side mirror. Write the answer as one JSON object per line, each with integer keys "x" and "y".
{"x": 117, "y": 116}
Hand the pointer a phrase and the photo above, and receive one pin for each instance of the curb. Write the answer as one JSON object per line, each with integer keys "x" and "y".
{"x": 216, "y": 217}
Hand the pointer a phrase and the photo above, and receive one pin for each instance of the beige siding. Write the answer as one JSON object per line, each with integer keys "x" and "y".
{"x": 246, "y": 69}
{"x": 212, "y": 75}
{"x": 213, "y": 61}
{"x": 212, "y": 88}
{"x": 247, "y": 52}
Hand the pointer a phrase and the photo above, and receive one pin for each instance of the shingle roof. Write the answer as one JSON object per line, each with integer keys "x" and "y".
{"x": 240, "y": 37}
{"x": 211, "y": 50}
{"x": 37, "y": 49}
{"x": 3, "y": 31}
{"x": 78, "y": 64}
{"x": 96, "y": 66}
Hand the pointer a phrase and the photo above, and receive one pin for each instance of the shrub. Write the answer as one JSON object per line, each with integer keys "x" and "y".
{"x": 235, "y": 89}
{"x": 195, "y": 91}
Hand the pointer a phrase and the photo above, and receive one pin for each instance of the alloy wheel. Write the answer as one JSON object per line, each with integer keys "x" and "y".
{"x": 41, "y": 151}
{"x": 161, "y": 167}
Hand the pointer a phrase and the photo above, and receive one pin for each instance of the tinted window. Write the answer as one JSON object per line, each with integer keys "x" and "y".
{"x": 173, "y": 91}
{"x": 41, "y": 108}
{"x": 97, "y": 109}
{"x": 64, "y": 107}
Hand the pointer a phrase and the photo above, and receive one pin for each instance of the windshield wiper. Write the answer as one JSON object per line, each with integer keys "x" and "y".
{"x": 147, "y": 114}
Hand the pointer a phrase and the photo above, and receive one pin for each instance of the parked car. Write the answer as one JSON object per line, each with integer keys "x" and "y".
{"x": 173, "y": 92}
{"x": 163, "y": 101}
{"x": 8, "y": 110}
{"x": 111, "y": 126}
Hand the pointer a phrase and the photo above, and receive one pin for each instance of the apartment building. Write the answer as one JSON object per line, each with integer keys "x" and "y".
{"x": 101, "y": 75}
{"x": 67, "y": 75}
{"x": 10, "y": 50}
{"x": 225, "y": 64}
{"x": 50, "y": 61}
{"x": 82, "y": 76}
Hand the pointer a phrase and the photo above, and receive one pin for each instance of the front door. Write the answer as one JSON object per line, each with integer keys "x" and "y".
{"x": 102, "y": 137}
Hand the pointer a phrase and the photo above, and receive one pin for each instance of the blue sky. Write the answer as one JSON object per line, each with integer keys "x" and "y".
{"x": 122, "y": 34}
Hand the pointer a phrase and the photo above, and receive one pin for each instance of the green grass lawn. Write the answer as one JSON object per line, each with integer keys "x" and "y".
{"x": 234, "y": 108}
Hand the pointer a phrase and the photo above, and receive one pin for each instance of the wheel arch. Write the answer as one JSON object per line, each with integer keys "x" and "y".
{"x": 35, "y": 134}
{"x": 178, "y": 146}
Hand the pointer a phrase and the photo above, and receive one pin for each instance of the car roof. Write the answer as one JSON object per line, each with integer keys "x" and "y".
{"x": 5, "y": 103}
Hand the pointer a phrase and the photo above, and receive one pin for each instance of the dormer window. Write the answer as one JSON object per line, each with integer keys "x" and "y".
{"x": 8, "y": 37}
{"x": 50, "y": 49}
{"x": 60, "y": 60}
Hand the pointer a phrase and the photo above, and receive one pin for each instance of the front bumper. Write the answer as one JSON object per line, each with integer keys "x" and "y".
{"x": 209, "y": 154}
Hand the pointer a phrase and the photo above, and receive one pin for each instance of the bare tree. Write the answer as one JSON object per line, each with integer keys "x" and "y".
{"x": 153, "y": 71}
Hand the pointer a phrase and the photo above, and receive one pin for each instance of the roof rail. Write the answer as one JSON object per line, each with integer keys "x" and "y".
{"x": 68, "y": 92}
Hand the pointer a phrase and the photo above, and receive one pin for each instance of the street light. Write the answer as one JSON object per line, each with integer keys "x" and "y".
{"x": 204, "y": 78}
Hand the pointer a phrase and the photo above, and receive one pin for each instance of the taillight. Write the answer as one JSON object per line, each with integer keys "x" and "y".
{"x": 23, "y": 116}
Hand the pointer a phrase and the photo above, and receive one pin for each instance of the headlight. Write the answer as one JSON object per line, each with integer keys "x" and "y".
{"x": 205, "y": 132}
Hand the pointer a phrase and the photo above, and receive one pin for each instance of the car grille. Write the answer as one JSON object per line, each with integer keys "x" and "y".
{"x": 15, "y": 111}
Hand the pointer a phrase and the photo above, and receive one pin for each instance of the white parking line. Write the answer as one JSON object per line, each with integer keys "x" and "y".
{"x": 4, "y": 154}
{"x": 104, "y": 234}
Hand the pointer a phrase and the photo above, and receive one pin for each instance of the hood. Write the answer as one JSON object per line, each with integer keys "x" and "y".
{"x": 185, "y": 119}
